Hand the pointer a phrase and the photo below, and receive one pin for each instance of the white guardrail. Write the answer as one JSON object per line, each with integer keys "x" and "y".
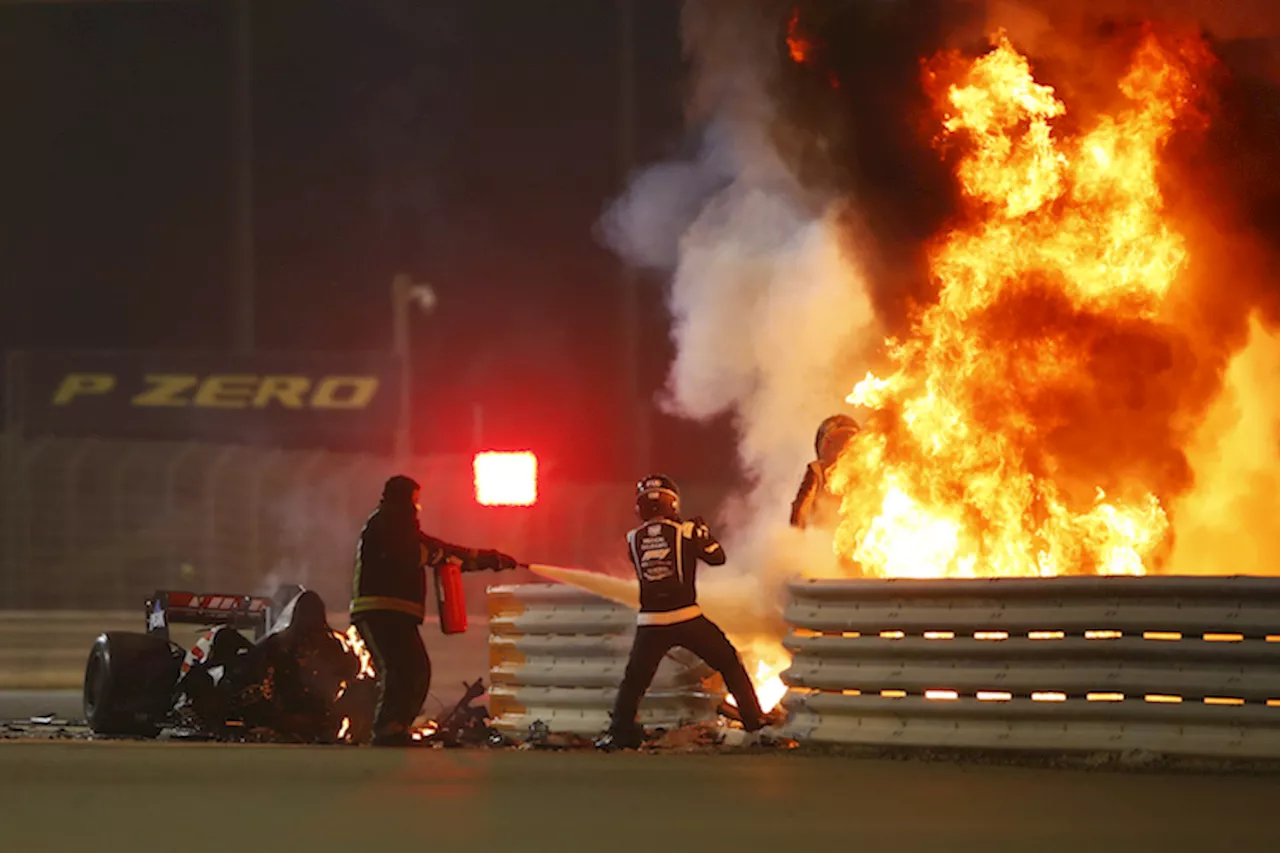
{"x": 1176, "y": 665}
{"x": 557, "y": 654}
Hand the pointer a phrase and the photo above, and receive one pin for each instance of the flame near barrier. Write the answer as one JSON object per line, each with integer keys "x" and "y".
{"x": 1051, "y": 292}
{"x": 769, "y": 658}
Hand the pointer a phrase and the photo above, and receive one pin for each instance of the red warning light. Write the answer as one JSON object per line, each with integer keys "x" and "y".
{"x": 506, "y": 478}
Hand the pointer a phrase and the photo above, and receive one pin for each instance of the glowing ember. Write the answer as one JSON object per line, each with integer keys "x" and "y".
{"x": 1063, "y": 243}
{"x": 425, "y": 731}
{"x": 799, "y": 47}
{"x": 354, "y": 643}
{"x": 346, "y": 727}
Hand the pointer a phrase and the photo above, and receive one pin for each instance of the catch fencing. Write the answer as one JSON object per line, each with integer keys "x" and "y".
{"x": 95, "y": 524}
{"x": 1173, "y": 665}
{"x": 557, "y": 654}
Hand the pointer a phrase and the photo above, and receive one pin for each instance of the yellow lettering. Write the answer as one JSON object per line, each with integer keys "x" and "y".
{"x": 166, "y": 389}
{"x": 80, "y": 384}
{"x": 226, "y": 392}
{"x": 288, "y": 390}
{"x": 344, "y": 392}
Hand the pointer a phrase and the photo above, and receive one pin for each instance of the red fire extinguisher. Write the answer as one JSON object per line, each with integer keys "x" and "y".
{"x": 450, "y": 600}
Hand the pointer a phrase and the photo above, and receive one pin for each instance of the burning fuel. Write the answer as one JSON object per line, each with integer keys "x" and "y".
{"x": 770, "y": 689}
{"x": 354, "y": 643}
{"x": 764, "y": 660}
{"x": 1041, "y": 274}
{"x": 1064, "y": 252}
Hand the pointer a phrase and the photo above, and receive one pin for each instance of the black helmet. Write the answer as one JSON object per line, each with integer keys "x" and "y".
{"x": 308, "y": 614}
{"x": 833, "y": 433}
{"x": 657, "y": 495}
{"x": 399, "y": 489}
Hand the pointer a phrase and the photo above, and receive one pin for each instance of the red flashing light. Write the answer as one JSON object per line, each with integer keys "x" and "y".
{"x": 506, "y": 478}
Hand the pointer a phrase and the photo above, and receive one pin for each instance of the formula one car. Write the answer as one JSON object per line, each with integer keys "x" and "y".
{"x": 297, "y": 680}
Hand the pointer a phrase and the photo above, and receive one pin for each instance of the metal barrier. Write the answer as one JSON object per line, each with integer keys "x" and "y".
{"x": 557, "y": 654}
{"x": 1176, "y": 665}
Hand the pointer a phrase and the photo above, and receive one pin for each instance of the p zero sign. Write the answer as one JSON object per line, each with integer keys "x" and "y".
{"x": 284, "y": 399}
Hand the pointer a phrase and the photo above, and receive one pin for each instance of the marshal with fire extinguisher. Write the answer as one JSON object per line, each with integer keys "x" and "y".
{"x": 501, "y": 479}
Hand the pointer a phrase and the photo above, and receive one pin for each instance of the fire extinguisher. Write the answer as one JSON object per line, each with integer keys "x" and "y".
{"x": 450, "y": 600}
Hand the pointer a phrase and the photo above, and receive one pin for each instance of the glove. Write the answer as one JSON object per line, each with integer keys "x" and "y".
{"x": 495, "y": 561}
{"x": 700, "y": 528}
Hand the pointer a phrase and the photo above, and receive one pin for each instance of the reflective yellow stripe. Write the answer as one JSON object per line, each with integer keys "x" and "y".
{"x": 366, "y": 603}
{"x": 670, "y": 617}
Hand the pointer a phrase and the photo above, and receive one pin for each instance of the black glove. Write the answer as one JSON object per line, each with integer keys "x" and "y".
{"x": 495, "y": 561}
{"x": 700, "y": 528}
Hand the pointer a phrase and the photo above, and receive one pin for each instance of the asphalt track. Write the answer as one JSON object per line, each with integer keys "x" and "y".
{"x": 125, "y": 796}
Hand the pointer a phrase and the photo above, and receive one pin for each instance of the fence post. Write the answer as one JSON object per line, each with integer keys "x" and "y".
{"x": 211, "y": 516}
{"x": 121, "y": 529}
{"x": 70, "y": 489}
{"x": 23, "y": 530}
{"x": 171, "y": 498}
{"x": 11, "y": 448}
{"x": 267, "y": 463}
{"x": 9, "y": 527}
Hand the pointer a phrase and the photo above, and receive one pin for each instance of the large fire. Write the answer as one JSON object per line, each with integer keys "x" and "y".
{"x": 1064, "y": 238}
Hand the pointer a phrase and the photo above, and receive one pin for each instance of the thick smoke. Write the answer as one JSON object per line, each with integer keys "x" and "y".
{"x": 771, "y": 313}
{"x": 796, "y": 237}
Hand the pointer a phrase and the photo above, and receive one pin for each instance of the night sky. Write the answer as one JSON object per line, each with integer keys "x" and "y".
{"x": 471, "y": 143}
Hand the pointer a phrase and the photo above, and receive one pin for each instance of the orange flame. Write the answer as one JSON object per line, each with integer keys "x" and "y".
{"x": 354, "y": 643}
{"x": 952, "y": 477}
{"x": 769, "y": 689}
{"x": 767, "y": 680}
{"x": 799, "y": 47}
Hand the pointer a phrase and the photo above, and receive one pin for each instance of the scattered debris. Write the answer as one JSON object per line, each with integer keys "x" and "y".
{"x": 44, "y": 727}
{"x": 542, "y": 737}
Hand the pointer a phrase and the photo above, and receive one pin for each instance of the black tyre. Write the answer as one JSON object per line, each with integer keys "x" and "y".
{"x": 128, "y": 683}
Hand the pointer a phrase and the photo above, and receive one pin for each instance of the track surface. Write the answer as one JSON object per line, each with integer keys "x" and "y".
{"x": 105, "y": 796}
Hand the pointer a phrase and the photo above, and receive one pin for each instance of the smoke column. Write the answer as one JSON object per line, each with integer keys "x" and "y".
{"x": 795, "y": 240}
{"x": 771, "y": 316}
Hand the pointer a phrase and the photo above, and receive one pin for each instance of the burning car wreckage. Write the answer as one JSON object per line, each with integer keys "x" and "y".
{"x": 297, "y": 681}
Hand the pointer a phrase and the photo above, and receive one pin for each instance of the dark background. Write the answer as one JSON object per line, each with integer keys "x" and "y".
{"x": 473, "y": 144}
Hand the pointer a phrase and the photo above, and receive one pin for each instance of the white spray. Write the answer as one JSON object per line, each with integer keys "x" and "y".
{"x": 770, "y": 315}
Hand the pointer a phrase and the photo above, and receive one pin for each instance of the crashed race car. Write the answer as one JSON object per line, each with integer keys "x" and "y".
{"x": 297, "y": 680}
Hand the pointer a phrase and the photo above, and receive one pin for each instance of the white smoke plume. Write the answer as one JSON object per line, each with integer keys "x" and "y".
{"x": 771, "y": 316}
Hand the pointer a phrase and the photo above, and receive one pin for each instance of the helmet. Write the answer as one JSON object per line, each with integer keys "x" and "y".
{"x": 657, "y": 495}
{"x": 400, "y": 489}
{"x": 833, "y": 434}
{"x": 308, "y": 614}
